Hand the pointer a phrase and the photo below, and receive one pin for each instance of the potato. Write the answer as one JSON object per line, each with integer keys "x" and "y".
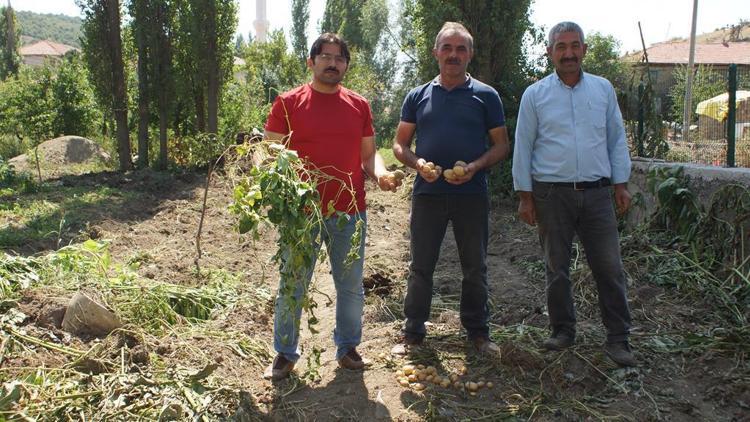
{"x": 430, "y": 165}
{"x": 480, "y": 384}
{"x": 408, "y": 369}
{"x": 458, "y": 385}
{"x": 472, "y": 386}
{"x": 399, "y": 373}
{"x": 460, "y": 163}
{"x": 419, "y": 386}
{"x": 403, "y": 382}
{"x": 490, "y": 384}
{"x": 412, "y": 378}
{"x": 445, "y": 383}
{"x": 459, "y": 171}
{"x": 449, "y": 174}
{"x": 399, "y": 175}
{"x": 429, "y": 378}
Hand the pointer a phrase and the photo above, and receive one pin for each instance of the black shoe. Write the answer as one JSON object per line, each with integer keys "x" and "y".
{"x": 484, "y": 345}
{"x": 406, "y": 343}
{"x": 559, "y": 341}
{"x": 620, "y": 353}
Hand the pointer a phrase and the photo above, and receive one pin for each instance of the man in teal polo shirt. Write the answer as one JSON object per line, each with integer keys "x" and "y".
{"x": 455, "y": 118}
{"x": 570, "y": 148}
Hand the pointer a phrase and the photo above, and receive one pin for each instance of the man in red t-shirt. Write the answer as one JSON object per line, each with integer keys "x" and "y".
{"x": 331, "y": 127}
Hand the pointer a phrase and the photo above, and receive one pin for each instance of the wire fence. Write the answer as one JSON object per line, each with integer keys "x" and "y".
{"x": 653, "y": 110}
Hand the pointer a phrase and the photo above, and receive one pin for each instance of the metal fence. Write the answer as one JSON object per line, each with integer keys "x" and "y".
{"x": 719, "y": 133}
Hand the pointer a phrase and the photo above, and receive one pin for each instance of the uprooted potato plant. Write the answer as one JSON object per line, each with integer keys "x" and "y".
{"x": 118, "y": 376}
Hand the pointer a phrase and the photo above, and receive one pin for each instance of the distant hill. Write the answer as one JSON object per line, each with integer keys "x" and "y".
{"x": 731, "y": 33}
{"x": 45, "y": 26}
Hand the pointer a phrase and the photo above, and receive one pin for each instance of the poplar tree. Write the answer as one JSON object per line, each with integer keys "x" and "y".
{"x": 9, "y": 34}
{"x": 102, "y": 51}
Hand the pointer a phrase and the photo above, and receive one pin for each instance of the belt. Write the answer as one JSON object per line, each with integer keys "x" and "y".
{"x": 601, "y": 183}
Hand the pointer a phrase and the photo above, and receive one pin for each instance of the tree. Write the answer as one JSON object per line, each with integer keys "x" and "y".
{"x": 9, "y": 34}
{"x": 142, "y": 26}
{"x": 502, "y": 34}
{"x": 203, "y": 47}
{"x": 239, "y": 45}
{"x": 102, "y": 49}
{"x": 707, "y": 83}
{"x": 603, "y": 59}
{"x": 300, "y": 18}
{"x": 48, "y": 101}
{"x": 152, "y": 24}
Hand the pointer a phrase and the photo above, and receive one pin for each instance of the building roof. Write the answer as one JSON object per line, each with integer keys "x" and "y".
{"x": 711, "y": 53}
{"x": 45, "y": 48}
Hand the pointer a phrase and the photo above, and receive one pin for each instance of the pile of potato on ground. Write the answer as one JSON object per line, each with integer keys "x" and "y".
{"x": 419, "y": 376}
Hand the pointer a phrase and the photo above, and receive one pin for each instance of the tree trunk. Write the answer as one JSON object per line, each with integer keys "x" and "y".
{"x": 200, "y": 111}
{"x": 143, "y": 98}
{"x": 119, "y": 93}
{"x": 212, "y": 55}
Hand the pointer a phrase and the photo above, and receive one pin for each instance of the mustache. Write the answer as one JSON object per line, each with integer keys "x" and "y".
{"x": 453, "y": 61}
{"x": 569, "y": 59}
{"x": 332, "y": 69}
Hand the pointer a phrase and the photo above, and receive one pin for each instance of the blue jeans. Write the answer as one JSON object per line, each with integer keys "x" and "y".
{"x": 430, "y": 215}
{"x": 563, "y": 212}
{"x": 350, "y": 295}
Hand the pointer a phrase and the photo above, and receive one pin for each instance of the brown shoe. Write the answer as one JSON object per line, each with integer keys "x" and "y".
{"x": 620, "y": 353}
{"x": 352, "y": 360}
{"x": 279, "y": 369}
{"x": 406, "y": 343}
{"x": 485, "y": 345}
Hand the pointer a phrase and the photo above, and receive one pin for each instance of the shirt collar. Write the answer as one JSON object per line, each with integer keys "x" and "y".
{"x": 556, "y": 77}
{"x": 468, "y": 84}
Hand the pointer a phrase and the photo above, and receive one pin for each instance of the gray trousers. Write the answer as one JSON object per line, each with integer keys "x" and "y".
{"x": 561, "y": 213}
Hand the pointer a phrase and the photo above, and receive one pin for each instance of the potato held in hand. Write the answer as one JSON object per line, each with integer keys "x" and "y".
{"x": 431, "y": 169}
{"x": 459, "y": 169}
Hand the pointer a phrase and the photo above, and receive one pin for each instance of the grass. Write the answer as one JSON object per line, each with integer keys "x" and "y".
{"x": 388, "y": 158}
{"x": 55, "y": 213}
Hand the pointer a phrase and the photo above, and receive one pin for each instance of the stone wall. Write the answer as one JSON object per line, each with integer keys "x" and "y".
{"x": 704, "y": 182}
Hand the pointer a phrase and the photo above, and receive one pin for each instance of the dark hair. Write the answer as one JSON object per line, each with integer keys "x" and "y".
{"x": 329, "y": 38}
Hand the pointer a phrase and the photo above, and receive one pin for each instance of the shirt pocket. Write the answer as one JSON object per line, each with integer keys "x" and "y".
{"x": 598, "y": 119}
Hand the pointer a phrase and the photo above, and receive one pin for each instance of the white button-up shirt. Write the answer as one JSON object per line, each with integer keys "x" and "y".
{"x": 566, "y": 134}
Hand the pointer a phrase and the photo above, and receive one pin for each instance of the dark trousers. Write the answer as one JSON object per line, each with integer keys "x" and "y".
{"x": 430, "y": 215}
{"x": 561, "y": 213}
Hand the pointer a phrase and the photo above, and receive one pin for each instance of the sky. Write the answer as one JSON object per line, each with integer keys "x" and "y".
{"x": 660, "y": 19}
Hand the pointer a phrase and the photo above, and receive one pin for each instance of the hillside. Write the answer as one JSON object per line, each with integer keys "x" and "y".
{"x": 42, "y": 26}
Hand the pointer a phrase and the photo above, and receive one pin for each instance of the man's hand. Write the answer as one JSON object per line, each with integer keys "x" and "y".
{"x": 622, "y": 198}
{"x": 429, "y": 174}
{"x": 469, "y": 171}
{"x": 390, "y": 181}
{"x": 527, "y": 208}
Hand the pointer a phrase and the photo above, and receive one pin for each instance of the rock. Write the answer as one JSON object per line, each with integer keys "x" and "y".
{"x": 62, "y": 151}
{"x": 86, "y": 316}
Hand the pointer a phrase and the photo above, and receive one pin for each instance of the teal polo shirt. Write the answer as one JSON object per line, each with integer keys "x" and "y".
{"x": 451, "y": 126}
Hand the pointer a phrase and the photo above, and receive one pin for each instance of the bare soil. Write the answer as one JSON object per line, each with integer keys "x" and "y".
{"x": 160, "y": 227}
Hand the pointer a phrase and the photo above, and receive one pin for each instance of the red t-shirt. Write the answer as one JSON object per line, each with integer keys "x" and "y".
{"x": 327, "y": 130}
